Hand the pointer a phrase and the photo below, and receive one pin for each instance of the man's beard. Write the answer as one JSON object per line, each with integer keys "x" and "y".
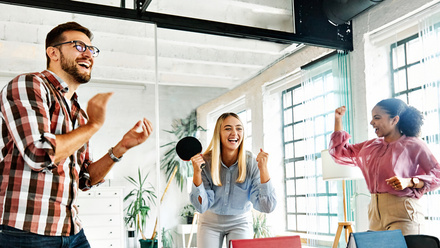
{"x": 71, "y": 69}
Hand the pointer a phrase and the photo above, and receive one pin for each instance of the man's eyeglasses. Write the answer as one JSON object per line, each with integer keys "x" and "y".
{"x": 81, "y": 47}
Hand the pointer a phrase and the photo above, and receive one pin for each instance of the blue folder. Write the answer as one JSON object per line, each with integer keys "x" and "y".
{"x": 377, "y": 239}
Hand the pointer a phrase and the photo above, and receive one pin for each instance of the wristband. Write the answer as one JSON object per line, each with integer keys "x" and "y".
{"x": 112, "y": 156}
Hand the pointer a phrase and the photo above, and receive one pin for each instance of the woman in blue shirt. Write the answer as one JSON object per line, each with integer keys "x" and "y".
{"x": 232, "y": 181}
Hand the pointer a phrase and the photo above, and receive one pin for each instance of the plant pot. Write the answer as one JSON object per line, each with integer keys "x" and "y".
{"x": 148, "y": 243}
{"x": 189, "y": 219}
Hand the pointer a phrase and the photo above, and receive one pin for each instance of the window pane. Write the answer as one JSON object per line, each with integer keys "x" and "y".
{"x": 288, "y": 116}
{"x": 330, "y": 102}
{"x": 322, "y": 204}
{"x": 300, "y": 168}
{"x": 291, "y": 222}
{"x": 291, "y": 206}
{"x": 333, "y": 204}
{"x": 302, "y": 187}
{"x": 299, "y": 130}
{"x": 320, "y": 141}
{"x": 398, "y": 56}
{"x": 332, "y": 187}
{"x": 311, "y": 204}
{"x": 290, "y": 187}
{"x": 321, "y": 186}
{"x": 299, "y": 148}
{"x": 400, "y": 81}
{"x": 288, "y": 134}
{"x": 333, "y": 222}
{"x": 431, "y": 124}
{"x": 298, "y": 113}
{"x": 298, "y": 96}
{"x": 415, "y": 76}
{"x": 323, "y": 224}
{"x": 290, "y": 170}
{"x": 302, "y": 204}
{"x": 414, "y": 51}
{"x": 288, "y": 150}
{"x": 319, "y": 125}
{"x": 304, "y": 221}
{"x": 415, "y": 99}
{"x": 287, "y": 99}
{"x": 330, "y": 122}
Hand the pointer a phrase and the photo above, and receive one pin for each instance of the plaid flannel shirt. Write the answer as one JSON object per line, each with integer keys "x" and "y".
{"x": 36, "y": 194}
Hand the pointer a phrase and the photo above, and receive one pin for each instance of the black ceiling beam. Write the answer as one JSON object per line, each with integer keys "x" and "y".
{"x": 327, "y": 35}
{"x": 142, "y": 5}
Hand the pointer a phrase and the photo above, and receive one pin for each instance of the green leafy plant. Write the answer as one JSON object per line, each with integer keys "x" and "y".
{"x": 180, "y": 128}
{"x": 167, "y": 238}
{"x": 261, "y": 229}
{"x": 188, "y": 211}
{"x": 141, "y": 198}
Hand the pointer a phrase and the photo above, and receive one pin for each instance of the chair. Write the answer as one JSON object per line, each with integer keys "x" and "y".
{"x": 422, "y": 241}
{"x": 377, "y": 239}
{"x": 274, "y": 242}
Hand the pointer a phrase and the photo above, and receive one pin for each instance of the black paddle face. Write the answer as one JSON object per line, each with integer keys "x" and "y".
{"x": 187, "y": 147}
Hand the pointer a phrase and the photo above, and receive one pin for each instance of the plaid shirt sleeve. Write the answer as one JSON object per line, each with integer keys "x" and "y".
{"x": 25, "y": 105}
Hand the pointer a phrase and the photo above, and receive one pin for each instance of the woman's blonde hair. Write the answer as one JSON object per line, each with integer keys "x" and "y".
{"x": 214, "y": 149}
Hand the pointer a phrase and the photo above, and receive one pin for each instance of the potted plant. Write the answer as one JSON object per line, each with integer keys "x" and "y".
{"x": 180, "y": 128}
{"x": 188, "y": 213}
{"x": 261, "y": 229}
{"x": 167, "y": 238}
{"x": 141, "y": 198}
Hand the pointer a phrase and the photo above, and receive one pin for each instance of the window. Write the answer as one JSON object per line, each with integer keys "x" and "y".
{"x": 298, "y": 117}
{"x": 246, "y": 118}
{"x": 409, "y": 64}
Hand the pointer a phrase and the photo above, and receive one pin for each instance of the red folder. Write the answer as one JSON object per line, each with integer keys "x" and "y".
{"x": 275, "y": 242}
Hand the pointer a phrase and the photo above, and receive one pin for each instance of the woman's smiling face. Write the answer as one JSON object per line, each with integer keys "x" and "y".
{"x": 231, "y": 133}
{"x": 382, "y": 123}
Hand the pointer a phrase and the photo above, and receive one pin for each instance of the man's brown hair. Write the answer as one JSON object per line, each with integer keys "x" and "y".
{"x": 55, "y": 36}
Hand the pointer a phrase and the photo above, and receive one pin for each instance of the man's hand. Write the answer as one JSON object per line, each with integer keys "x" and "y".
{"x": 96, "y": 109}
{"x": 135, "y": 136}
{"x": 70, "y": 142}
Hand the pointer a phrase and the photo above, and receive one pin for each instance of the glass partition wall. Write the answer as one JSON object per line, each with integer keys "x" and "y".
{"x": 127, "y": 66}
{"x": 160, "y": 74}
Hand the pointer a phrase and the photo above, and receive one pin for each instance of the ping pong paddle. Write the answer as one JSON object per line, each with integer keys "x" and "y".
{"x": 187, "y": 147}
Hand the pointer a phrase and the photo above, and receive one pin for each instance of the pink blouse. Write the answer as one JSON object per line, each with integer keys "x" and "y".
{"x": 378, "y": 160}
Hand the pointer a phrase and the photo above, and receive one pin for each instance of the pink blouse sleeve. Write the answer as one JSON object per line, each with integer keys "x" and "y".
{"x": 428, "y": 170}
{"x": 342, "y": 151}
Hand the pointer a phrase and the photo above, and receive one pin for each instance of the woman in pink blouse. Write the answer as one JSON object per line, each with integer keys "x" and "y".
{"x": 398, "y": 167}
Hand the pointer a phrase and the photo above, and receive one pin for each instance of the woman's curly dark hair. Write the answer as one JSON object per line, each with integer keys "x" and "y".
{"x": 410, "y": 118}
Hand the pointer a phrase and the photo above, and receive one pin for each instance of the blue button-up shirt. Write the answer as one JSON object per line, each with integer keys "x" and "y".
{"x": 234, "y": 198}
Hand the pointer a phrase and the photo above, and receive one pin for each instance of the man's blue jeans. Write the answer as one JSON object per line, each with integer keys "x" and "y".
{"x": 14, "y": 238}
